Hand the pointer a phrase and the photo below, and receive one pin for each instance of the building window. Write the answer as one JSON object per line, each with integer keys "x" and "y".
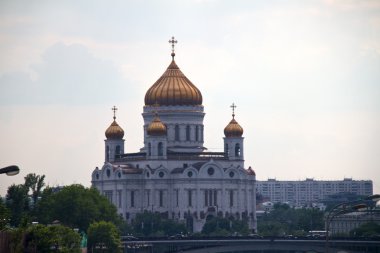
{"x": 117, "y": 150}
{"x": 190, "y": 174}
{"x": 196, "y": 133}
{"x": 132, "y": 198}
{"x": 107, "y": 153}
{"x": 211, "y": 171}
{"x": 211, "y": 198}
{"x": 148, "y": 198}
{"x": 119, "y": 197}
{"x": 201, "y": 133}
{"x": 188, "y": 133}
{"x": 231, "y": 198}
{"x": 161, "y": 192}
{"x": 177, "y": 197}
{"x": 108, "y": 195}
{"x": 160, "y": 149}
{"x": 161, "y": 174}
{"x": 226, "y": 149}
{"x": 190, "y": 198}
{"x": 237, "y": 149}
{"x": 108, "y": 173}
{"x": 176, "y": 132}
{"x": 232, "y": 174}
{"x": 149, "y": 149}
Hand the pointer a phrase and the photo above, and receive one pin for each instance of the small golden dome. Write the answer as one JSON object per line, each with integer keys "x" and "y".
{"x": 156, "y": 127}
{"x": 114, "y": 131}
{"x": 233, "y": 129}
{"x": 173, "y": 88}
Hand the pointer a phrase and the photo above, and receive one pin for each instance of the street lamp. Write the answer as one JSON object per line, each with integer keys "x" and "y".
{"x": 344, "y": 208}
{"x": 10, "y": 170}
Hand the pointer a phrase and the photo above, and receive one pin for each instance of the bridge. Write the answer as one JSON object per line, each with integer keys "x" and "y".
{"x": 249, "y": 245}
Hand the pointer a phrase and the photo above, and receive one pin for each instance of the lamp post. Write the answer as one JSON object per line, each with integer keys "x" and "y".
{"x": 10, "y": 170}
{"x": 344, "y": 208}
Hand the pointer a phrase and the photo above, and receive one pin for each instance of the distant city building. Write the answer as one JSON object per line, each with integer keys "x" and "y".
{"x": 173, "y": 173}
{"x": 306, "y": 192}
{"x": 343, "y": 224}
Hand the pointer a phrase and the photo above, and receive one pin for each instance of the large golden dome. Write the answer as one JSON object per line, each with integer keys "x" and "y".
{"x": 114, "y": 131}
{"x": 233, "y": 129}
{"x": 173, "y": 88}
{"x": 156, "y": 127}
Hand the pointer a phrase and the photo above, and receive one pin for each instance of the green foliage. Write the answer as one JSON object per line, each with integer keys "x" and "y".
{"x": 103, "y": 235}
{"x": 49, "y": 238}
{"x": 366, "y": 230}
{"x": 76, "y": 206}
{"x": 34, "y": 183}
{"x": 18, "y": 203}
{"x": 5, "y": 215}
{"x": 283, "y": 220}
{"x": 218, "y": 226}
{"x": 152, "y": 224}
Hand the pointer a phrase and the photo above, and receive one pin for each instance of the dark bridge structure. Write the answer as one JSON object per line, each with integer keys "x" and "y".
{"x": 250, "y": 245}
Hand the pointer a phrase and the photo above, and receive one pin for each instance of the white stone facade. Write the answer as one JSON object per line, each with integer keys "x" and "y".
{"x": 174, "y": 175}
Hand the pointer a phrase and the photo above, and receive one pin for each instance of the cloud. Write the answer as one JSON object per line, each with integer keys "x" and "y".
{"x": 68, "y": 74}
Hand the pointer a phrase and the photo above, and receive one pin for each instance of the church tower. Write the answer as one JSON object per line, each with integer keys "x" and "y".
{"x": 156, "y": 139}
{"x": 233, "y": 140}
{"x": 179, "y": 104}
{"x": 114, "y": 144}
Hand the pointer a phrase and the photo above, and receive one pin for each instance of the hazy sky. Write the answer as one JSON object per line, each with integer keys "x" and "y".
{"x": 305, "y": 76}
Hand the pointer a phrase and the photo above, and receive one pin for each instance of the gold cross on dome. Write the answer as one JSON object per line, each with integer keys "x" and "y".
{"x": 114, "y": 109}
{"x": 233, "y": 106}
{"x": 173, "y": 41}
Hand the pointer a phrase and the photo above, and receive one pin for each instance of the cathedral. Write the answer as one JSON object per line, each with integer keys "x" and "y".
{"x": 174, "y": 173}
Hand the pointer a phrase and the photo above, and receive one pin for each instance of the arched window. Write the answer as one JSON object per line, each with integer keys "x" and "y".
{"x": 237, "y": 149}
{"x": 117, "y": 150}
{"x": 196, "y": 133}
{"x": 187, "y": 132}
{"x": 160, "y": 149}
{"x": 226, "y": 149}
{"x": 107, "y": 153}
{"x": 149, "y": 149}
{"x": 161, "y": 198}
{"x": 201, "y": 133}
{"x": 176, "y": 132}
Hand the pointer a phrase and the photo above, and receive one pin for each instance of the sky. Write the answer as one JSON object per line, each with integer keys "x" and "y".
{"x": 305, "y": 76}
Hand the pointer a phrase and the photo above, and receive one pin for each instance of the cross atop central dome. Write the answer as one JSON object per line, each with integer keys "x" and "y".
{"x": 173, "y": 88}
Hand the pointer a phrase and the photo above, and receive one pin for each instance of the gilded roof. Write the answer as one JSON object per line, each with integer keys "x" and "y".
{"x": 156, "y": 127}
{"x": 233, "y": 129}
{"x": 114, "y": 131}
{"x": 173, "y": 88}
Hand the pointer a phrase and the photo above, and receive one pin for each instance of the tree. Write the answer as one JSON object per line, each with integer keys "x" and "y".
{"x": 4, "y": 215}
{"x": 51, "y": 238}
{"x": 218, "y": 226}
{"x": 34, "y": 183}
{"x": 153, "y": 224}
{"x": 284, "y": 220}
{"x": 366, "y": 230}
{"x": 103, "y": 235}
{"x": 18, "y": 203}
{"x": 76, "y": 206}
